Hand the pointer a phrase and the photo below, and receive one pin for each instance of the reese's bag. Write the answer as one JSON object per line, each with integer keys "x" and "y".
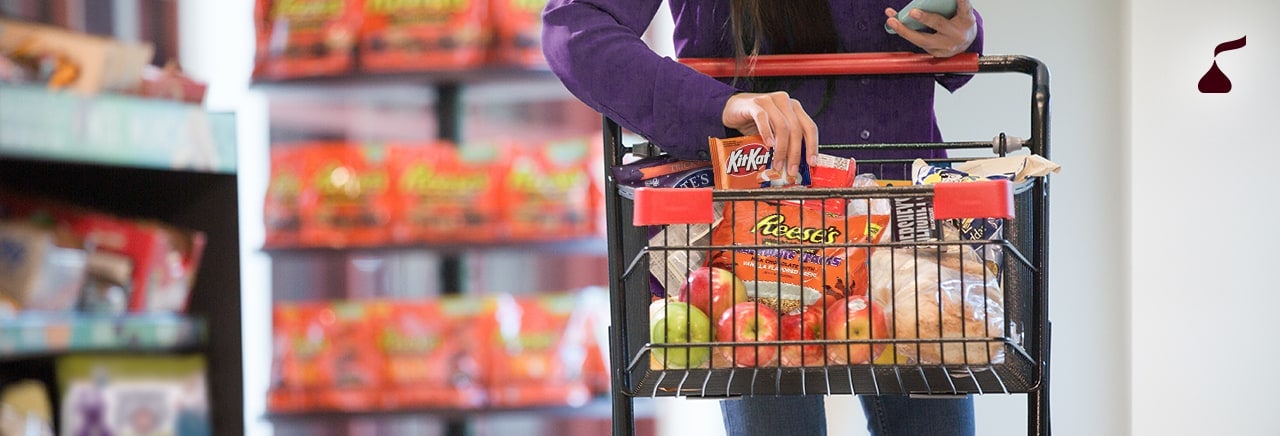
{"x": 824, "y": 265}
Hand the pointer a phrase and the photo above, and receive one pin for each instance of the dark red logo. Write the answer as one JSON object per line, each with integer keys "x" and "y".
{"x": 1215, "y": 81}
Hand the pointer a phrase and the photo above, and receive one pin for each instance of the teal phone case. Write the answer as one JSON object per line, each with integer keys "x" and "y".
{"x": 946, "y": 8}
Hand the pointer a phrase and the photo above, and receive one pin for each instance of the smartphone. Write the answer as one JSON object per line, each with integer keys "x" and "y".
{"x": 946, "y": 8}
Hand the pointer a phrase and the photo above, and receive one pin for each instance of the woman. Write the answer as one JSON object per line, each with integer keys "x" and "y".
{"x": 595, "y": 47}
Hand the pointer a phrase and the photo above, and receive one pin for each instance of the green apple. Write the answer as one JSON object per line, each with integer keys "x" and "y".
{"x": 679, "y": 323}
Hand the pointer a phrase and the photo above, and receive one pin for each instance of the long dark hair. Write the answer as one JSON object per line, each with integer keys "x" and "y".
{"x": 784, "y": 27}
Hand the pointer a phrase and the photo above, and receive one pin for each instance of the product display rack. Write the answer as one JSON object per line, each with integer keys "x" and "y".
{"x": 148, "y": 159}
{"x": 450, "y": 109}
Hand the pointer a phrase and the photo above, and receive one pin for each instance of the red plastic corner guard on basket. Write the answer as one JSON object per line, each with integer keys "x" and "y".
{"x": 654, "y": 206}
{"x": 981, "y": 199}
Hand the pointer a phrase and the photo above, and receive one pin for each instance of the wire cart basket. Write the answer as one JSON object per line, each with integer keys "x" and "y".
{"x": 951, "y": 312}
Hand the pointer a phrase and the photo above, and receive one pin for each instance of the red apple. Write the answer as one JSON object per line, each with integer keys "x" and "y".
{"x": 748, "y": 321}
{"x": 803, "y": 326}
{"x": 712, "y": 289}
{"x": 855, "y": 318}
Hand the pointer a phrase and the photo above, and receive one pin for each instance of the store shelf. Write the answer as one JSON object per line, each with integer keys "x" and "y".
{"x": 585, "y": 245}
{"x": 114, "y": 130}
{"x": 599, "y": 407}
{"x": 43, "y": 334}
{"x": 360, "y": 80}
{"x": 193, "y": 199}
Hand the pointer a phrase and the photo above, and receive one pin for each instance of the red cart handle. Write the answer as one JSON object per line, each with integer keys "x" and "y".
{"x": 977, "y": 199}
{"x": 837, "y": 64}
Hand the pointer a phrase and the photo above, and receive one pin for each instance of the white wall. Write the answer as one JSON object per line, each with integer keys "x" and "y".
{"x": 1203, "y": 295}
{"x": 1083, "y": 43}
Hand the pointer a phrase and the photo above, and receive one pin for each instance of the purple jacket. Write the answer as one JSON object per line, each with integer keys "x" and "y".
{"x": 594, "y": 46}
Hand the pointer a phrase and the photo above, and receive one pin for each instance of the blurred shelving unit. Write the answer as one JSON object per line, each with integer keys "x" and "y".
{"x": 475, "y": 104}
{"x": 139, "y": 158}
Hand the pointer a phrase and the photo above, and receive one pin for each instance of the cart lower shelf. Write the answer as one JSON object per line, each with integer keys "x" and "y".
{"x": 1017, "y": 374}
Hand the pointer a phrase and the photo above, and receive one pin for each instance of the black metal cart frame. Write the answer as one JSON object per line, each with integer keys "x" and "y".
{"x": 1027, "y": 371}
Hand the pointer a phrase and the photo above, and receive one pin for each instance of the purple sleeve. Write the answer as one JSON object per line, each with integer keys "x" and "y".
{"x": 595, "y": 48}
{"x": 954, "y": 81}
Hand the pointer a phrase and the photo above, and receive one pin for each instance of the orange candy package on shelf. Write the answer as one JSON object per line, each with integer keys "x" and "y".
{"x": 401, "y": 35}
{"x": 537, "y": 351}
{"x": 325, "y": 357}
{"x": 518, "y": 25}
{"x": 457, "y": 352}
{"x": 297, "y": 343}
{"x": 281, "y": 215}
{"x": 346, "y": 198}
{"x": 446, "y": 193}
{"x": 302, "y": 38}
{"x": 433, "y": 353}
{"x": 550, "y": 192}
{"x": 334, "y": 194}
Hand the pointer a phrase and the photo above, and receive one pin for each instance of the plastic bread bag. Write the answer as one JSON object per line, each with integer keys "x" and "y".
{"x": 939, "y": 292}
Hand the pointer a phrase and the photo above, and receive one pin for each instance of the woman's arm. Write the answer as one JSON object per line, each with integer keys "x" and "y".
{"x": 595, "y": 48}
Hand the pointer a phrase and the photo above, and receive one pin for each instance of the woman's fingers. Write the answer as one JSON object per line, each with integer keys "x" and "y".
{"x": 781, "y": 122}
{"x": 794, "y": 116}
{"x": 951, "y": 35}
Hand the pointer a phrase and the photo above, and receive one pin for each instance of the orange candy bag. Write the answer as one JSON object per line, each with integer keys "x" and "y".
{"x": 303, "y": 38}
{"x": 432, "y": 351}
{"x": 534, "y": 359}
{"x": 791, "y": 277}
{"x": 325, "y": 357}
{"x": 280, "y": 213}
{"x": 401, "y": 35}
{"x": 518, "y": 25}
{"x": 550, "y": 191}
{"x": 445, "y": 193}
{"x": 346, "y": 198}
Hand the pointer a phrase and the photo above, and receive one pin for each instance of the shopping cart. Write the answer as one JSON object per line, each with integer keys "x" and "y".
{"x": 985, "y": 332}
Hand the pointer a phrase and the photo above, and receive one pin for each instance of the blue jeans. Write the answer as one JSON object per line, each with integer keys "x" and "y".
{"x": 886, "y": 416}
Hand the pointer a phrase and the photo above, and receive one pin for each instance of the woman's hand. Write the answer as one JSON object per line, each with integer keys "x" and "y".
{"x": 951, "y": 36}
{"x": 779, "y": 120}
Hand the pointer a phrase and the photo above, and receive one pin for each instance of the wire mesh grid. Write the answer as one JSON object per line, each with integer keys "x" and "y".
{"x": 845, "y": 291}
